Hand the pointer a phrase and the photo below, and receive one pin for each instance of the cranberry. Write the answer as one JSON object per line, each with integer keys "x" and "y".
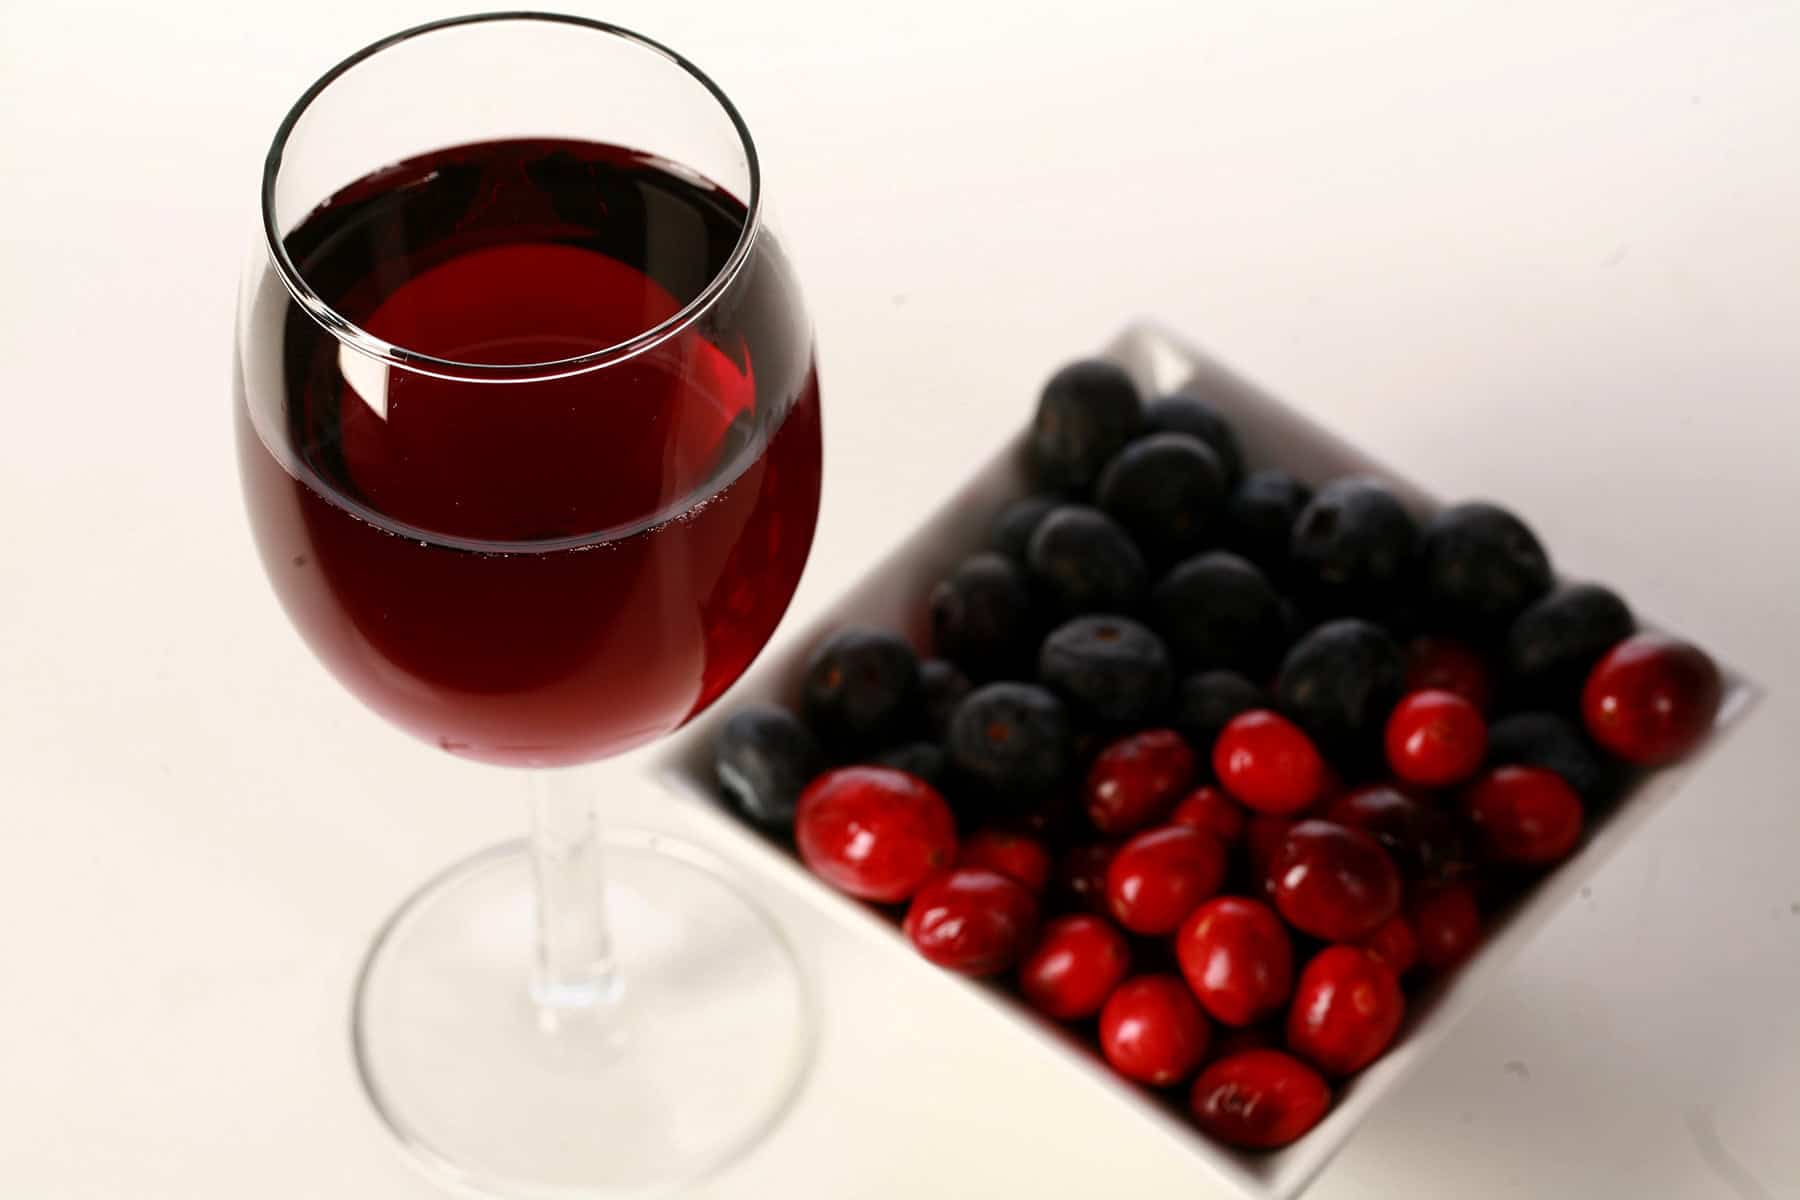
{"x": 1162, "y": 875}
{"x": 1448, "y": 923}
{"x": 874, "y": 832}
{"x": 1421, "y": 839}
{"x": 1208, "y": 808}
{"x": 1152, "y": 1031}
{"x": 1016, "y": 855}
{"x": 1335, "y": 882}
{"x": 1267, "y": 763}
{"x": 1136, "y": 780}
{"x": 1448, "y": 666}
{"x": 1435, "y": 739}
{"x": 1259, "y": 1099}
{"x": 1238, "y": 959}
{"x": 1081, "y": 875}
{"x": 1524, "y": 815}
{"x": 1652, "y": 698}
{"x": 1077, "y": 962}
{"x": 1262, "y": 846}
{"x": 972, "y": 920}
{"x": 1347, "y": 1009}
{"x": 1394, "y": 943}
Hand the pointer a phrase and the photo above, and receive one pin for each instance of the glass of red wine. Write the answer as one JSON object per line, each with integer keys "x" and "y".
{"x": 528, "y": 425}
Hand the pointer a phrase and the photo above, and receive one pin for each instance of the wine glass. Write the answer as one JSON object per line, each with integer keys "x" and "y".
{"x": 528, "y": 424}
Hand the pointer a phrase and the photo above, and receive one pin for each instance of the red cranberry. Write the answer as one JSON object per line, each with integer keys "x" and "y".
{"x": 1420, "y": 838}
{"x": 1448, "y": 923}
{"x": 1524, "y": 815}
{"x": 1152, "y": 1031}
{"x": 1137, "y": 779}
{"x": 1075, "y": 965}
{"x": 1335, "y": 882}
{"x": 1394, "y": 943}
{"x": 1259, "y": 1099}
{"x": 1435, "y": 739}
{"x": 1016, "y": 855}
{"x": 1652, "y": 698}
{"x": 1081, "y": 875}
{"x": 1441, "y": 664}
{"x": 1347, "y": 1009}
{"x": 1162, "y": 875}
{"x": 1208, "y": 808}
{"x": 1267, "y": 763}
{"x": 1263, "y": 837}
{"x": 873, "y": 832}
{"x": 972, "y": 920}
{"x": 1238, "y": 959}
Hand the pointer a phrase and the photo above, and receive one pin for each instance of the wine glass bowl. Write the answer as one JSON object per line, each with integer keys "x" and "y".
{"x": 529, "y": 431}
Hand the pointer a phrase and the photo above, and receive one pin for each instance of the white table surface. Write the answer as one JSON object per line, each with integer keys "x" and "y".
{"x": 1546, "y": 252}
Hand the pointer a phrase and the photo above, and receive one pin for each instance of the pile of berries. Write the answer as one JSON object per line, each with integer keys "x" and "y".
{"x": 1211, "y": 765}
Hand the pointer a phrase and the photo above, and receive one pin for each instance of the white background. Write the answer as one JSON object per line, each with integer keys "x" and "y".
{"x": 1545, "y": 252}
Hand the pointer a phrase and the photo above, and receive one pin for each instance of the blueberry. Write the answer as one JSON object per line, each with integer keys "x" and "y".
{"x": 1338, "y": 683}
{"x": 1481, "y": 567}
{"x": 1084, "y": 562}
{"x": 861, "y": 689}
{"x": 1352, "y": 549}
{"x": 942, "y": 686}
{"x": 1543, "y": 739}
{"x": 1206, "y": 702}
{"x": 982, "y": 617}
{"x": 1216, "y": 610}
{"x": 1181, "y": 413}
{"x": 1107, "y": 668}
{"x": 1554, "y": 643}
{"x": 1013, "y": 740}
{"x": 1087, "y": 413}
{"x": 1011, "y": 531}
{"x": 763, "y": 758}
{"x": 1168, "y": 491}
{"x": 926, "y": 760}
{"x": 1260, "y": 516}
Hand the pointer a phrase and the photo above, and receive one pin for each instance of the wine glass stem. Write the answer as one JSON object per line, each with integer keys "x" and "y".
{"x": 575, "y": 977}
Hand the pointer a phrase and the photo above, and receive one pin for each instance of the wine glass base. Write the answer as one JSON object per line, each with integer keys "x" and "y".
{"x": 703, "y": 1051}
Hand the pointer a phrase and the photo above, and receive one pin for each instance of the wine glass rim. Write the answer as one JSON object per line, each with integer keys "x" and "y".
{"x": 357, "y": 338}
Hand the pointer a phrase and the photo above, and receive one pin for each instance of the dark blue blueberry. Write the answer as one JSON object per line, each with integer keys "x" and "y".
{"x": 1205, "y": 704}
{"x": 861, "y": 690}
{"x": 1108, "y": 669}
{"x": 1216, "y": 610}
{"x": 1260, "y": 516}
{"x": 763, "y": 758}
{"x": 1543, "y": 739}
{"x": 1011, "y": 531}
{"x": 1555, "y": 643}
{"x": 1084, "y": 562}
{"x": 1339, "y": 683}
{"x": 942, "y": 686}
{"x": 982, "y": 617}
{"x": 1168, "y": 491}
{"x": 1351, "y": 552}
{"x": 925, "y": 760}
{"x": 1013, "y": 741}
{"x": 1480, "y": 567}
{"x": 1182, "y": 413}
{"x": 1087, "y": 413}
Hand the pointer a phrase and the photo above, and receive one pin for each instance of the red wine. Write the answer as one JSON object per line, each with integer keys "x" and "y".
{"x": 547, "y": 570}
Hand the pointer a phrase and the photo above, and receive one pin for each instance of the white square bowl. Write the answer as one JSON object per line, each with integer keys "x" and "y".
{"x": 893, "y": 595}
